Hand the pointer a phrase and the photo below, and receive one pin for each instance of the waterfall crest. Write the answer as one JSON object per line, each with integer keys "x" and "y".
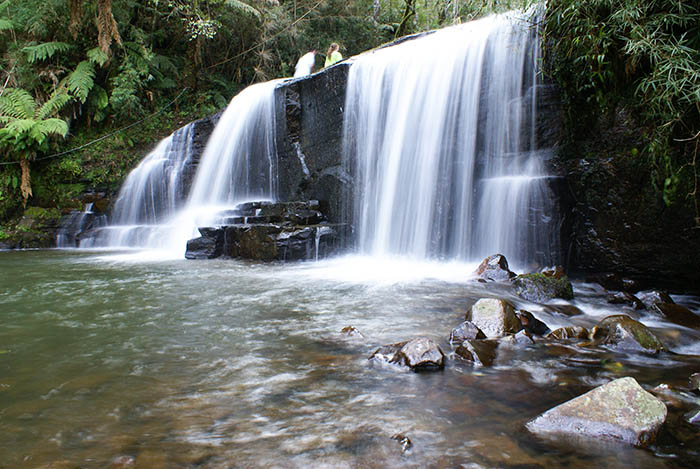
{"x": 439, "y": 136}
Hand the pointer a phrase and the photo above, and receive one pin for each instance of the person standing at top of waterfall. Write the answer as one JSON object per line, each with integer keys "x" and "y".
{"x": 305, "y": 64}
{"x": 333, "y": 55}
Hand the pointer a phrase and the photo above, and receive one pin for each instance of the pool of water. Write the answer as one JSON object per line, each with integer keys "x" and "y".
{"x": 222, "y": 363}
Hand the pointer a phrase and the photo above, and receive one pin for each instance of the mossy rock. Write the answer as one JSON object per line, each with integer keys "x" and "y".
{"x": 622, "y": 332}
{"x": 541, "y": 288}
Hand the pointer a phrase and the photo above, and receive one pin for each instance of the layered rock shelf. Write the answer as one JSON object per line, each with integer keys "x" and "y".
{"x": 269, "y": 231}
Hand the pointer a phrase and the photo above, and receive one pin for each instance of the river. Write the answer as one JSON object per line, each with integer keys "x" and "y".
{"x": 223, "y": 363}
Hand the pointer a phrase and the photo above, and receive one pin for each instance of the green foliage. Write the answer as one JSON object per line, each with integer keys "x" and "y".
{"x": 644, "y": 55}
{"x": 81, "y": 80}
{"x": 44, "y": 51}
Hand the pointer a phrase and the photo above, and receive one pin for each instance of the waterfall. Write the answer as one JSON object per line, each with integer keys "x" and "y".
{"x": 439, "y": 136}
{"x": 155, "y": 209}
{"x": 75, "y": 224}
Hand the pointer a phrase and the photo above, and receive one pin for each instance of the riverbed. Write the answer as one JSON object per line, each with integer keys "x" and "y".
{"x": 127, "y": 357}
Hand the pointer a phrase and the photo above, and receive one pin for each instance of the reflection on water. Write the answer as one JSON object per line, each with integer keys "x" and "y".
{"x": 223, "y": 363}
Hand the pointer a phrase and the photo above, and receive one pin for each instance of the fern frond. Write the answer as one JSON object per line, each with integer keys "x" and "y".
{"x": 42, "y": 129}
{"x": 139, "y": 57}
{"x": 53, "y": 105}
{"x": 19, "y": 126}
{"x": 5, "y": 4}
{"x": 98, "y": 98}
{"x": 97, "y": 56}
{"x": 81, "y": 80}
{"x": 44, "y": 51}
{"x": 5, "y": 24}
{"x": 238, "y": 5}
{"x": 17, "y": 103}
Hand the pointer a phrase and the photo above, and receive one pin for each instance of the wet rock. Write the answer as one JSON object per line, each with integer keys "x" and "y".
{"x": 677, "y": 314}
{"x": 540, "y": 288}
{"x": 568, "y": 333}
{"x": 418, "y": 354}
{"x": 531, "y": 324}
{"x": 693, "y": 418}
{"x": 122, "y": 462}
{"x": 494, "y": 268}
{"x": 494, "y": 317}
{"x": 619, "y": 410}
{"x": 566, "y": 310}
{"x": 650, "y": 298}
{"x": 695, "y": 381}
{"x": 624, "y": 298}
{"x": 624, "y": 333}
{"x": 404, "y": 441}
{"x": 465, "y": 331}
{"x": 479, "y": 352}
{"x": 351, "y": 331}
{"x": 208, "y": 246}
{"x": 521, "y": 338}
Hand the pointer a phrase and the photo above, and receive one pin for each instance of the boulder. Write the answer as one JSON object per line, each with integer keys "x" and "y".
{"x": 619, "y": 410}
{"x": 568, "y": 333}
{"x": 207, "y": 246}
{"x": 494, "y": 268}
{"x": 541, "y": 288}
{"x": 494, "y": 317}
{"x": 479, "y": 352}
{"x": 531, "y": 324}
{"x": 521, "y": 338}
{"x": 677, "y": 314}
{"x": 465, "y": 331}
{"x": 624, "y": 333}
{"x": 650, "y": 298}
{"x": 417, "y": 354}
{"x": 624, "y": 298}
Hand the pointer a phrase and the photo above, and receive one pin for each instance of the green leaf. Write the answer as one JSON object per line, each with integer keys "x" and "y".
{"x": 5, "y": 24}
{"x": 17, "y": 103}
{"x": 59, "y": 99}
{"x": 19, "y": 126}
{"x": 97, "y": 56}
{"x": 238, "y": 5}
{"x": 42, "y": 129}
{"x": 81, "y": 80}
{"x": 44, "y": 51}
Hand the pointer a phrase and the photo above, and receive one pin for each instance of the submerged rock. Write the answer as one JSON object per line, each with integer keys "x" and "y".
{"x": 619, "y": 410}
{"x": 622, "y": 332}
{"x": 418, "y": 354}
{"x": 479, "y": 352}
{"x": 465, "y": 331}
{"x": 495, "y": 268}
{"x": 624, "y": 298}
{"x": 494, "y": 317}
{"x": 653, "y": 297}
{"x": 351, "y": 331}
{"x": 541, "y": 288}
{"x": 404, "y": 441}
{"x": 677, "y": 314}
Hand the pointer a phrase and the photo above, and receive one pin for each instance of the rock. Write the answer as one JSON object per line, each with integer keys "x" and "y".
{"x": 541, "y": 288}
{"x": 531, "y": 324}
{"x": 650, "y": 298}
{"x": 465, "y": 331}
{"x": 694, "y": 381}
{"x": 207, "y": 246}
{"x": 619, "y": 410}
{"x": 624, "y": 298}
{"x": 418, "y": 354}
{"x": 494, "y": 317}
{"x": 494, "y": 268}
{"x": 404, "y": 441}
{"x": 568, "y": 333}
{"x": 351, "y": 331}
{"x": 677, "y": 314}
{"x": 624, "y": 333}
{"x": 521, "y": 338}
{"x": 479, "y": 352}
{"x": 693, "y": 418}
{"x": 122, "y": 462}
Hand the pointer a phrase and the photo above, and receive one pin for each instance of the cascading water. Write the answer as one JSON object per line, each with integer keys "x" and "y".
{"x": 155, "y": 209}
{"x": 439, "y": 134}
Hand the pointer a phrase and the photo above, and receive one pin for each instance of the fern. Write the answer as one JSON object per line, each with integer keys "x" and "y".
{"x": 17, "y": 103}
{"x": 238, "y": 5}
{"x": 81, "y": 80}
{"x": 53, "y": 105}
{"x": 19, "y": 126}
{"x": 5, "y": 24}
{"x": 97, "y": 56}
{"x": 44, "y": 51}
{"x": 98, "y": 98}
{"x": 41, "y": 129}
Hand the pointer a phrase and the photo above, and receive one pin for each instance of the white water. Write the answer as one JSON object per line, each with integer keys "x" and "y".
{"x": 438, "y": 134}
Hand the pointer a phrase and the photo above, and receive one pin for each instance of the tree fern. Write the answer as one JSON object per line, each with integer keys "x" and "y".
{"x": 19, "y": 126}
{"x": 81, "y": 80}
{"x": 17, "y": 103}
{"x": 42, "y": 129}
{"x": 44, "y": 51}
{"x": 5, "y": 24}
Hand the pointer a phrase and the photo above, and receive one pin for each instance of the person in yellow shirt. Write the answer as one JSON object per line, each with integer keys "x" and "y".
{"x": 333, "y": 55}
